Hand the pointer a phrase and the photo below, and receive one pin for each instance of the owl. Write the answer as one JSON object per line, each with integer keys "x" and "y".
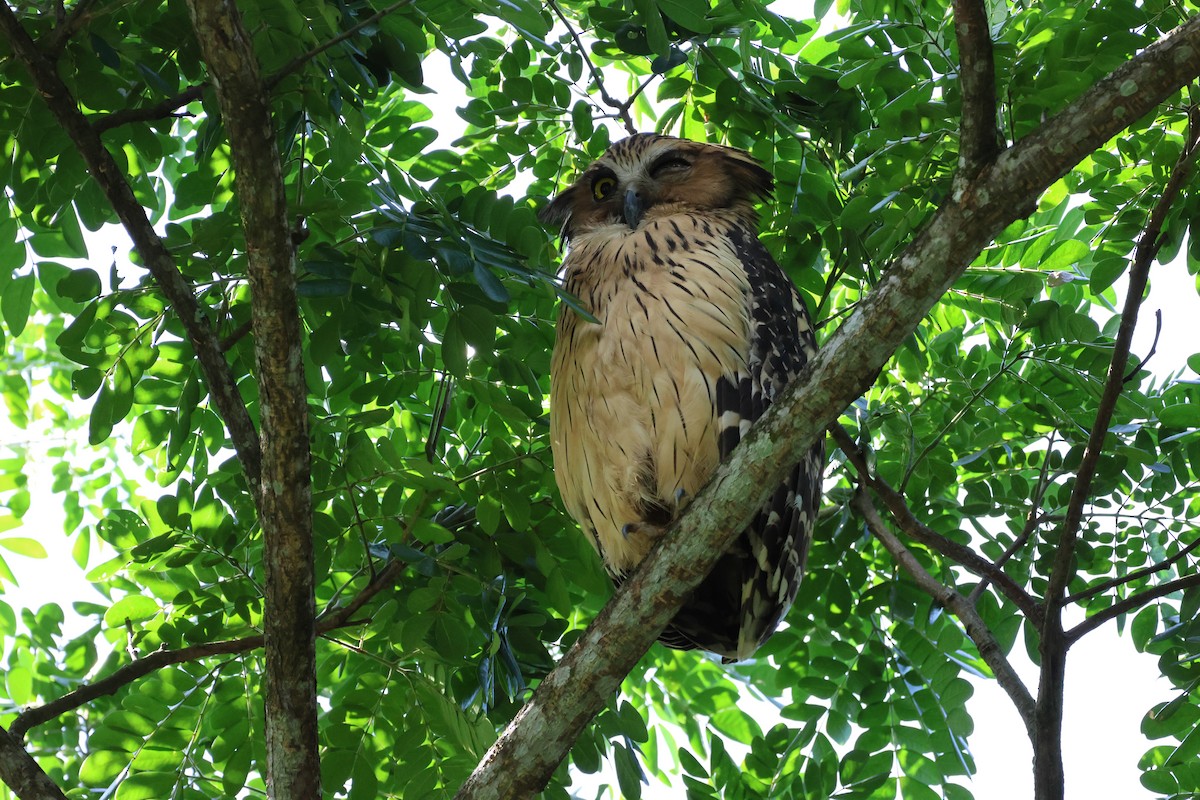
{"x": 696, "y": 331}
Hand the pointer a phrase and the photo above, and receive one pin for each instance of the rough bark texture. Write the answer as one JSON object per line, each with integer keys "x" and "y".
{"x": 521, "y": 761}
{"x": 285, "y": 502}
{"x": 22, "y": 774}
{"x": 154, "y": 254}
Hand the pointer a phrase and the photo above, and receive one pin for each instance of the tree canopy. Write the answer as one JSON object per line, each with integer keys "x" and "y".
{"x": 314, "y": 418}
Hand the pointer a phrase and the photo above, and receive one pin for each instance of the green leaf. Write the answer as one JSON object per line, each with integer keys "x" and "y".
{"x": 16, "y": 302}
{"x": 31, "y": 548}
{"x": 1180, "y": 415}
{"x": 134, "y": 608}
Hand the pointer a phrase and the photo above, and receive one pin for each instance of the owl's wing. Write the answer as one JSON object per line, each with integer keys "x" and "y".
{"x": 759, "y": 577}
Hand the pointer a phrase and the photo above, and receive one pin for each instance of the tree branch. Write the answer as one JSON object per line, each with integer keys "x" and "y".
{"x": 1131, "y": 603}
{"x": 160, "y": 110}
{"x": 959, "y": 606}
{"x": 1147, "y": 250}
{"x": 919, "y": 532}
{"x": 622, "y": 109}
{"x": 221, "y": 385}
{"x": 285, "y": 504}
{"x": 299, "y": 61}
{"x": 54, "y": 41}
{"x": 1137, "y": 574}
{"x": 978, "y": 142}
{"x": 524, "y": 757}
{"x": 1054, "y": 643}
{"x": 341, "y": 618}
{"x": 22, "y": 774}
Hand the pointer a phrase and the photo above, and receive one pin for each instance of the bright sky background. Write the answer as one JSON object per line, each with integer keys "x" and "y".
{"x": 1109, "y": 686}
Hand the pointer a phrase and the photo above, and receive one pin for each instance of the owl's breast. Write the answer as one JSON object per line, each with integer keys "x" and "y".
{"x": 633, "y": 397}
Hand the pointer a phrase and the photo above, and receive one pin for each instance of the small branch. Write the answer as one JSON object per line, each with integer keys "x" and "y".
{"x": 1133, "y": 576}
{"x": 915, "y": 530}
{"x": 1147, "y": 250}
{"x": 1153, "y": 347}
{"x": 622, "y": 109}
{"x": 299, "y": 61}
{"x": 1032, "y": 521}
{"x": 54, "y": 41}
{"x": 160, "y": 110}
{"x": 1131, "y": 603}
{"x": 104, "y": 170}
{"x": 978, "y": 135}
{"x": 956, "y": 604}
{"x": 139, "y": 668}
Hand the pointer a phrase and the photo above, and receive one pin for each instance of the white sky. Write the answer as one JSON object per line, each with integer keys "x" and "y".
{"x": 1110, "y": 687}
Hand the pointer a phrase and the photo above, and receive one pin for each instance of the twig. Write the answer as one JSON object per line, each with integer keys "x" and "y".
{"x": 1033, "y": 519}
{"x": 160, "y": 110}
{"x": 915, "y": 530}
{"x": 54, "y": 41}
{"x": 956, "y": 604}
{"x": 978, "y": 138}
{"x": 622, "y": 109}
{"x": 1131, "y": 603}
{"x": 221, "y": 386}
{"x": 1137, "y": 574}
{"x": 299, "y": 61}
{"x": 1153, "y": 347}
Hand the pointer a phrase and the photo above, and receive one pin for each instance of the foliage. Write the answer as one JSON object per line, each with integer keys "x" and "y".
{"x": 428, "y": 295}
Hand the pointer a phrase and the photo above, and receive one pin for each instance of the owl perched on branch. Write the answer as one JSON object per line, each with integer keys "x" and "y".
{"x": 698, "y": 331}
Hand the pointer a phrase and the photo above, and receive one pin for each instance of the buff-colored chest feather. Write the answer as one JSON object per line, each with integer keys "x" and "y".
{"x": 633, "y": 419}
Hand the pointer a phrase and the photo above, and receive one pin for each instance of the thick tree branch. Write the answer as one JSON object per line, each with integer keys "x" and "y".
{"x": 978, "y": 142}
{"x": 221, "y": 385}
{"x": 521, "y": 761}
{"x": 22, "y": 774}
{"x": 1131, "y": 603}
{"x": 959, "y": 606}
{"x": 917, "y": 531}
{"x": 285, "y": 503}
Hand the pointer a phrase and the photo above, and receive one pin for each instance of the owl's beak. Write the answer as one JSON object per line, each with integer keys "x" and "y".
{"x": 634, "y": 208}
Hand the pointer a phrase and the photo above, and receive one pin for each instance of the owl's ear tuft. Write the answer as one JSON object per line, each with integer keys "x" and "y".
{"x": 558, "y": 211}
{"x": 749, "y": 175}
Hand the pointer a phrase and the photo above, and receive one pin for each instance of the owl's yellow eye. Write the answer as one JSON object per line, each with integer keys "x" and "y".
{"x": 603, "y": 186}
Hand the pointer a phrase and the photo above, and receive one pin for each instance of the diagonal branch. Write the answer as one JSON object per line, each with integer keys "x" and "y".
{"x": 1131, "y": 603}
{"x": 989, "y": 649}
{"x": 917, "y": 531}
{"x": 221, "y": 385}
{"x": 54, "y": 41}
{"x": 527, "y": 753}
{"x": 1137, "y": 574}
{"x": 299, "y": 61}
{"x": 978, "y": 143}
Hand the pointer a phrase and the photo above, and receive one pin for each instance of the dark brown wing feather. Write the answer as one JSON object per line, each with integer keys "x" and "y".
{"x": 742, "y": 601}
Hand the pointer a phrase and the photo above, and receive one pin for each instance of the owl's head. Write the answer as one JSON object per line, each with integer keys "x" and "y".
{"x": 649, "y": 173}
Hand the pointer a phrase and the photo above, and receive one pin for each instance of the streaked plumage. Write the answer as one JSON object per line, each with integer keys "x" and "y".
{"x": 698, "y": 330}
